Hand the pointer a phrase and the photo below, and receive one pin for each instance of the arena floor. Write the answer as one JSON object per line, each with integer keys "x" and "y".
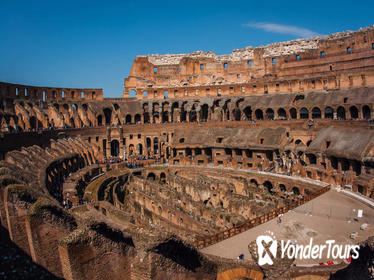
{"x": 309, "y": 220}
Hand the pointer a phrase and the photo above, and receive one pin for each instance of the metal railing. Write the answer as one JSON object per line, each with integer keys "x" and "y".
{"x": 258, "y": 220}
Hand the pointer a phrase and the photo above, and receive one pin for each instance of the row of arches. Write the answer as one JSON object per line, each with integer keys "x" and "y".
{"x": 315, "y": 113}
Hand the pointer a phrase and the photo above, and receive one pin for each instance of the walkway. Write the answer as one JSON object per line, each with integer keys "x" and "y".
{"x": 329, "y": 216}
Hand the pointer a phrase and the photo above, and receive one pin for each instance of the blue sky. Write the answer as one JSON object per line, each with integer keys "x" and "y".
{"x": 93, "y": 43}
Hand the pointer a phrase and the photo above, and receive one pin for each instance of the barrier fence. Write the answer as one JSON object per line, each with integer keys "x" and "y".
{"x": 258, "y": 220}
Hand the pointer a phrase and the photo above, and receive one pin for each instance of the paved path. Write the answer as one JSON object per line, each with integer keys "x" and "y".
{"x": 299, "y": 225}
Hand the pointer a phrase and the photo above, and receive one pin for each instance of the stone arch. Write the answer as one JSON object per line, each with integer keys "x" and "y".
{"x": 329, "y": 113}
{"x": 99, "y": 120}
{"x": 296, "y": 190}
{"x": 193, "y": 114}
{"x": 114, "y": 148}
{"x": 204, "y": 112}
{"x": 165, "y": 116}
{"x": 316, "y": 113}
{"x": 293, "y": 113}
{"x": 137, "y": 118}
{"x": 269, "y": 186}
{"x": 353, "y": 111}
{"x": 282, "y": 114}
{"x": 108, "y": 115}
{"x": 151, "y": 176}
{"x": 253, "y": 182}
{"x": 236, "y": 114}
{"x": 162, "y": 177}
{"x": 131, "y": 149}
{"x": 155, "y": 146}
{"x": 128, "y": 119}
{"x": 282, "y": 187}
{"x": 248, "y": 112}
{"x": 33, "y": 122}
{"x": 270, "y": 114}
{"x": 304, "y": 113}
{"x": 366, "y": 112}
{"x": 259, "y": 114}
{"x": 139, "y": 148}
{"x": 341, "y": 113}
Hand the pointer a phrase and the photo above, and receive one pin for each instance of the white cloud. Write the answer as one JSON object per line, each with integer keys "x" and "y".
{"x": 283, "y": 29}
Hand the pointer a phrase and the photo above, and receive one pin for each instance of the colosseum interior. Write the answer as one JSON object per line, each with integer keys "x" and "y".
{"x": 203, "y": 153}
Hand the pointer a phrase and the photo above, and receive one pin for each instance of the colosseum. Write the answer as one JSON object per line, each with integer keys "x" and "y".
{"x": 202, "y": 154}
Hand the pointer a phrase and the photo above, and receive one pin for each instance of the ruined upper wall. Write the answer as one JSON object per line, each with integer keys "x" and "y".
{"x": 15, "y": 91}
{"x": 294, "y": 61}
{"x": 272, "y": 50}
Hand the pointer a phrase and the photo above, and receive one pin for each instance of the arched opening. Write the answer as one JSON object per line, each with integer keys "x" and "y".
{"x": 353, "y": 112}
{"x": 345, "y": 164}
{"x": 282, "y": 114}
{"x": 163, "y": 177}
{"x": 193, "y": 115}
{"x": 259, "y": 114}
{"x": 304, "y": 113}
{"x": 293, "y": 113}
{"x": 248, "y": 112}
{"x": 99, "y": 120}
{"x": 253, "y": 182}
{"x": 236, "y": 114}
{"x": 114, "y": 148}
{"x": 108, "y": 116}
{"x": 139, "y": 149}
{"x": 341, "y": 113}
{"x": 32, "y": 122}
{"x": 312, "y": 158}
{"x": 298, "y": 142}
{"x": 366, "y": 112}
{"x": 204, "y": 113}
{"x": 132, "y": 93}
{"x": 151, "y": 176}
{"x": 146, "y": 117}
{"x": 148, "y": 143}
{"x": 131, "y": 150}
{"x": 228, "y": 151}
{"x": 137, "y": 118}
{"x": 188, "y": 152}
{"x": 296, "y": 190}
{"x": 316, "y": 113}
{"x": 165, "y": 116}
{"x": 155, "y": 145}
{"x": 116, "y": 107}
{"x": 128, "y": 119}
{"x": 270, "y": 114}
{"x": 282, "y": 187}
{"x": 329, "y": 113}
{"x": 269, "y": 186}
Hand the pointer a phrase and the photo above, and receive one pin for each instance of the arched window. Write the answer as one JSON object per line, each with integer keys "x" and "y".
{"x": 316, "y": 113}
{"x": 128, "y": 119}
{"x": 329, "y": 113}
